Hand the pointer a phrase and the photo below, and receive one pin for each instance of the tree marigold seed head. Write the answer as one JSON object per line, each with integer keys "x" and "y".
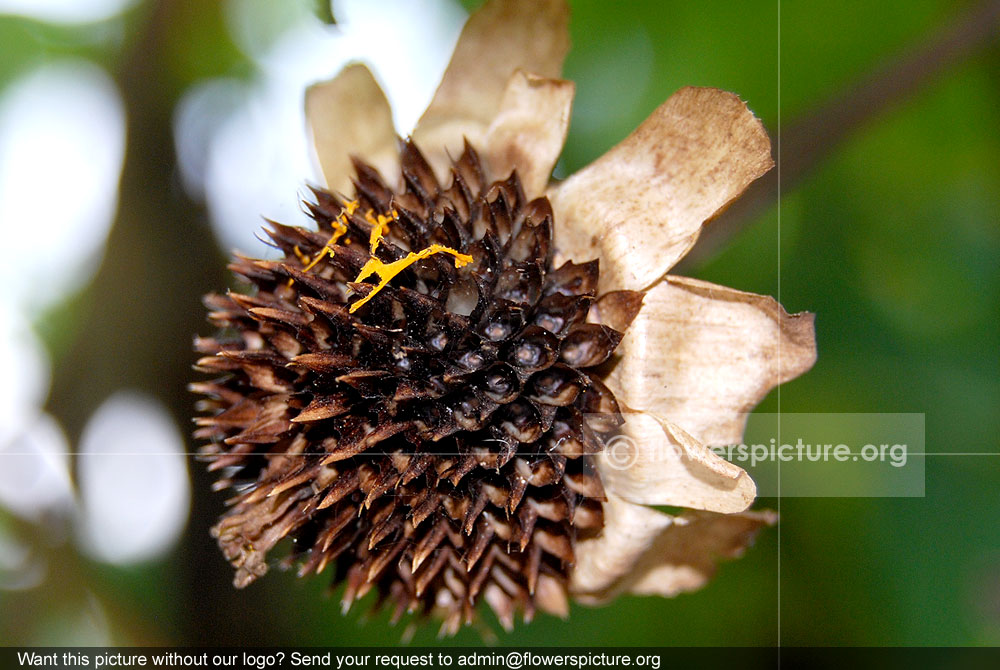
{"x": 430, "y": 436}
{"x": 420, "y": 394}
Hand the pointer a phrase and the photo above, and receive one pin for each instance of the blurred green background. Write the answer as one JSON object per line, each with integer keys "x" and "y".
{"x": 889, "y": 234}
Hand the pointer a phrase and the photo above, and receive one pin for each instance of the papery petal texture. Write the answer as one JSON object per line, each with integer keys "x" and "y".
{"x": 647, "y": 552}
{"x": 630, "y": 530}
{"x": 498, "y": 39}
{"x": 350, "y": 116}
{"x": 640, "y": 207}
{"x": 529, "y": 131}
{"x": 704, "y": 355}
{"x": 655, "y": 462}
{"x": 686, "y": 556}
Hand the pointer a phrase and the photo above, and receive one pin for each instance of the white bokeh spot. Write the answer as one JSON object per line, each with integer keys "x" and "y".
{"x": 62, "y": 144}
{"x": 65, "y": 11}
{"x": 133, "y": 479}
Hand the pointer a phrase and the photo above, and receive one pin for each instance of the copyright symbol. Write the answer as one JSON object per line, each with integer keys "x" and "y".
{"x": 514, "y": 660}
{"x": 620, "y": 453}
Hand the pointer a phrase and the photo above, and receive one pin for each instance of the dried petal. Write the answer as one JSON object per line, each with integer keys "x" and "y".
{"x": 499, "y": 38}
{"x": 629, "y": 532}
{"x": 647, "y": 552}
{"x": 691, "y": 548}
{"x": 657, "y": 463}
{"x": 529, "y": 131}
{"x": 640, "y": 206}
{"x": 349, "y": 116}
{"x": 704, "y": 355}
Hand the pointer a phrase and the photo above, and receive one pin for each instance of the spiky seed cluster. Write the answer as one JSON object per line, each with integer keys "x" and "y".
{"x": 435, "y": 444}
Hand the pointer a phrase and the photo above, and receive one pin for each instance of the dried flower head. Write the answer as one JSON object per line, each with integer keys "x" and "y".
{"x": 467, "y": 384}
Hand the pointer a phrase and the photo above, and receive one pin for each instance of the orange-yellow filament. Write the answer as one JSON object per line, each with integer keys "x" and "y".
{"x": 380, "y": 227}
{"x": 339, "y": 225}
{"x": 386, "y": 271}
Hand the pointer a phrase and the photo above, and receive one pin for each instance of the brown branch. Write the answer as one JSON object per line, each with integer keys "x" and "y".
{"x": 809, "y": 141}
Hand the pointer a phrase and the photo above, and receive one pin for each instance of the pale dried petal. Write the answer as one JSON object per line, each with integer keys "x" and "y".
{"x": 629, "y": 532}
{"x": 501, "y": 37}
{"x": 529, "y": 130}
{"x": 350, "y": 116}
{"x": 704, "y": 355}
{"x": 685, "y": 557}
{"x": 647, "y": 552}
{"x": 640, "y": 207}
{"x": 654, "y": 462}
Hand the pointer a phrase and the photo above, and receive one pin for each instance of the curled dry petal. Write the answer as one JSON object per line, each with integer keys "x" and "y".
{"x": 530, "y": 128}
{"x": 647, "y": 552}
{"x": 349, "y": 116}
{"x": 657, "y": 463}
{"x": 629, "y": 532}
{"x": 499, "y": 38}
{"x": 685, "y": 557}
{"x": 704, "y": 355}
{"x": 640, "y": 207}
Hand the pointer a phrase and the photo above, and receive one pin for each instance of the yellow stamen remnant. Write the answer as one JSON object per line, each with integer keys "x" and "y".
{"x": 301, "y": 256}
{"x": 338, "y": 229}
{"x": 339, "y": 225}
{"x": 379, "y": 227}
{"x": 386, "y": 271}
